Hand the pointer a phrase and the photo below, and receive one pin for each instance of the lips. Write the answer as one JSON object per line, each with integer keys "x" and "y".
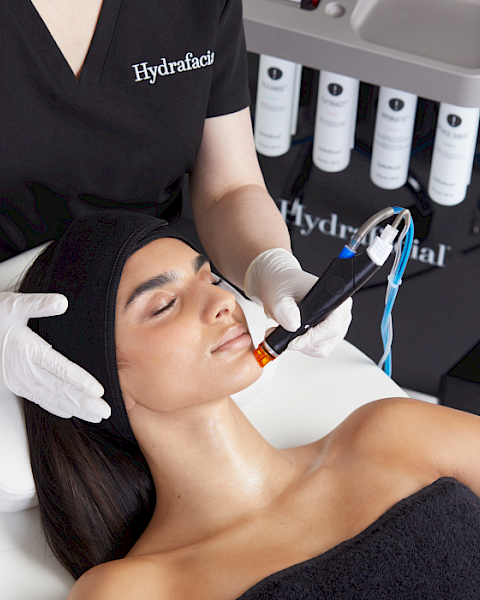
{"x": 235, "y": 337}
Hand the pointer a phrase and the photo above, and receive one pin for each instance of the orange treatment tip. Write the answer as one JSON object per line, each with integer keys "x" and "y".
{"x": 262, "y": 355}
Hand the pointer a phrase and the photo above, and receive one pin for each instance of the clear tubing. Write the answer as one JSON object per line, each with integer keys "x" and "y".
{"x": 404, "y": 214}
{"x": 394, "y": 281}
{"x": 365, "y": 229}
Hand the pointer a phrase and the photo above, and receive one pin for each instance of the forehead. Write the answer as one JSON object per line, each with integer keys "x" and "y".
{"x": 164, "y": 254}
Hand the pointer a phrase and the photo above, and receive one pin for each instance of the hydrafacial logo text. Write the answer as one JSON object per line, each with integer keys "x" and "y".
{"x": 144, "y": 72}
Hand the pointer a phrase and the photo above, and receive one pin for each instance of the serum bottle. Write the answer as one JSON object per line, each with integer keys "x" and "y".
{"x": 453, "y": 153}
{"x": 275, "y": 110}
{"x": 392, "y": 140}
{"x": 335, "y": 121}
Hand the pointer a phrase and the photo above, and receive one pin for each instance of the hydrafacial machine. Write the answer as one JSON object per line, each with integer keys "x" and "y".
{"x": 362, "y": 104}
{"x": 287, "y": 410}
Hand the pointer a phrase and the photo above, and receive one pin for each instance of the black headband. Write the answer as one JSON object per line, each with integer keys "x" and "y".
{"x": 87, "y": 265}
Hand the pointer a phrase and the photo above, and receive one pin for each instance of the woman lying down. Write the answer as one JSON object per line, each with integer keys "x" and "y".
{"x": 178, "y": 497}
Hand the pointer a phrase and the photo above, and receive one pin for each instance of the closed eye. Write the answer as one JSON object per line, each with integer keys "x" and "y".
{"x": 217, "y": 281}
{"x": 165, "y": 308}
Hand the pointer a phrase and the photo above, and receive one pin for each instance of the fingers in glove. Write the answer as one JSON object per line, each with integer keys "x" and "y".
{"x": 93, "y": 410}
{"x": 52, "y": 389}
{"x": 88, "y": 416}
{"x": 34, "y": 370}
{"x": 287, "y": 314}
{"x": 68, "y": 372}
{"x": 85, "y": 415}
{"x": 319, "y": 349}
{"x": 319, "y": 341}
{"x": 33, "y": 305}
{"x": 53, "y": 409}
{"x": 72, "y": 403}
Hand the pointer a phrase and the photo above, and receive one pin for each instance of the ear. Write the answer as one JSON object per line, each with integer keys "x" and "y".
{"x": 129, "y": 402}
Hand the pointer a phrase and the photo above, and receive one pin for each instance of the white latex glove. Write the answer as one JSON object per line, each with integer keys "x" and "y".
{"x": 276, "y": 280}
{"x": 30, "y": 367}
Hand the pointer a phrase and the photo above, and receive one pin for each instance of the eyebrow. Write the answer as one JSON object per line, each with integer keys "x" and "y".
{"x": 161, "y": 280}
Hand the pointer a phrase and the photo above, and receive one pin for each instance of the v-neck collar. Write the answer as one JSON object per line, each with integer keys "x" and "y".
{"x": 49, "y": 56}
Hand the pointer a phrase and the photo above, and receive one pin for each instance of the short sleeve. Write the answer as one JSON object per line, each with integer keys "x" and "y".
{"x": 229, "y": 92}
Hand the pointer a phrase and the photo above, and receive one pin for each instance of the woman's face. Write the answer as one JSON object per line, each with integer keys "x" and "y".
{"x": 180, "y": 339}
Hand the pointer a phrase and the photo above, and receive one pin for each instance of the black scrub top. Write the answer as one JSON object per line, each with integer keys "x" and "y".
{"x": 125, "y": 134}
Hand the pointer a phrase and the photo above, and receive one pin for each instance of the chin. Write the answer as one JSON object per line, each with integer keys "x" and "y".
{"x": 249, "y": 373}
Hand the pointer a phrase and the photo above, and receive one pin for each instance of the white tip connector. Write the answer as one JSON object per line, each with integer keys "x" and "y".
{"x": 381, "y": 247}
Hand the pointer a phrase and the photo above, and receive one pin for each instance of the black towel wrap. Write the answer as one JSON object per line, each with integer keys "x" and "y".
{"x": 87, "y": 265}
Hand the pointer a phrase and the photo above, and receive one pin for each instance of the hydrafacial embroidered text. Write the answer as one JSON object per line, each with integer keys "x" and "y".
{"x": 144, "y": 72}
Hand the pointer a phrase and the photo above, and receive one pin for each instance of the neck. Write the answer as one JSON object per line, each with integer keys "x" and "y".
{"x": 210, "y": 467}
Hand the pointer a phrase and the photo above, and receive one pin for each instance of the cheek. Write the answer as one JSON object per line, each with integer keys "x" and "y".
{"x": 174, "y": 368}
{"x": 164, "y": 368}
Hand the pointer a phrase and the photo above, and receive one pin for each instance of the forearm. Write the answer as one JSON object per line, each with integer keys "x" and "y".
{"x": 238, "y": 227}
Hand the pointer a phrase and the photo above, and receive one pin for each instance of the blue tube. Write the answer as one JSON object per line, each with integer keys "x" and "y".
{"x": 395, "y": 283}
{"x": 346, "y": 253}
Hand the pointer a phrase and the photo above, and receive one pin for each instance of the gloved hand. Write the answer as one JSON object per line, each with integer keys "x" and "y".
{"x": 276, "y": 280}
{"x": 30, "y": 367}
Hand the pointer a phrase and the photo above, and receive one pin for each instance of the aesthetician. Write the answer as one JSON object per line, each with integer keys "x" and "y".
{"x": 107, "y": 105}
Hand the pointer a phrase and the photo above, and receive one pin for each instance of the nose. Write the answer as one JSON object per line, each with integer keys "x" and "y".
{"x": 219, "y": 303}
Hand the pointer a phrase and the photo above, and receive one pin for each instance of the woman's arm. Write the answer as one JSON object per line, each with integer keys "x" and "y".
{"x": 452, "y": 438}
{"x": 237, "y": 220}
{"x": 235, "y": 216}
{"x": 424, "y": 438}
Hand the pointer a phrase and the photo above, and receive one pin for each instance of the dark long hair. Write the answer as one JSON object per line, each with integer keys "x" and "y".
{"x": 95, "y": 490}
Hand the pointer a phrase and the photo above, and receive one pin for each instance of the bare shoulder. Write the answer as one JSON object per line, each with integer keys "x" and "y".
{"x": 437, "y": 440}
{"x": 397, "y": 417}
{"x": 125, "y": 579}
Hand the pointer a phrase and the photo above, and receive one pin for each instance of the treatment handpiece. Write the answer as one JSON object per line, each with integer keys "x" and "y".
{"x": 344, "y": 276}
